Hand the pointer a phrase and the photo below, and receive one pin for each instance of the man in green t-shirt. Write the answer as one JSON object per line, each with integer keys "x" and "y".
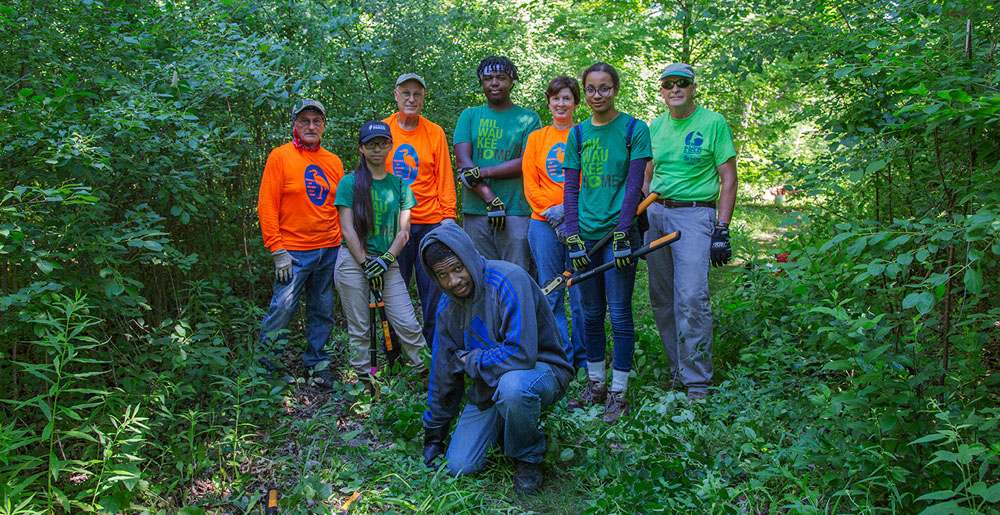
{"x": 489, "y": 141}
{"x": 694, "y": 171}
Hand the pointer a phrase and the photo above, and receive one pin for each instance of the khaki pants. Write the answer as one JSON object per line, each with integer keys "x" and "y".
{"x": 354, "y": 297}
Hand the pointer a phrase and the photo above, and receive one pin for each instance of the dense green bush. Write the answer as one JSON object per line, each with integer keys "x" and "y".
{"x": 860, "y": 377}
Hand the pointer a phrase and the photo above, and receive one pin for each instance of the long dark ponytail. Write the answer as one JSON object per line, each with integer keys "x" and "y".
{"x": 364, "y": 212}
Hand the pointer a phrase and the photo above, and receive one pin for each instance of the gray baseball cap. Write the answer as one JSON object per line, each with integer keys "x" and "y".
{"x": 410, "y": 76}
{"x": 307, "y": 102}
{"x": 679, "y": 69}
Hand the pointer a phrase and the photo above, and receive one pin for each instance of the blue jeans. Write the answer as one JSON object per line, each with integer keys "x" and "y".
{"x": 610, "y": 293}
{"x": 519, "y": 398}
{"x": 312, "y": 271}
{"x": 552, "y": 259}
{"x": 427, "y": 288}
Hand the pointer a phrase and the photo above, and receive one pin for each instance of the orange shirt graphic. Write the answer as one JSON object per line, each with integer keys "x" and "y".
{"x": 542, "y": 168}
{"x": 295, "y": 203}
{"x": 420, "y": 157}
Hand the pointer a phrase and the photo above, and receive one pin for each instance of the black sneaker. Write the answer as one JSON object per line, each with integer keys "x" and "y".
{"x": 321, "y": 376}
{"x": 527, "y": 477}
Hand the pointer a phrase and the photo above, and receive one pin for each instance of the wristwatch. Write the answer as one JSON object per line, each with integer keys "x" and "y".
{"x": 723, "y": 225}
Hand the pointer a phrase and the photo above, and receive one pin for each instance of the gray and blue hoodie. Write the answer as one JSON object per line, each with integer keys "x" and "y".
{"x": 506, "y": 325}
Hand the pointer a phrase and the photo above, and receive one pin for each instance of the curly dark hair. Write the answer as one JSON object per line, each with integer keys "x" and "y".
{"x": 436, "y": 252}
{"x": 500, "y": 63}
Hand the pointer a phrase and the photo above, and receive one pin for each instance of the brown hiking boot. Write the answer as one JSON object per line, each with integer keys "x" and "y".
{"x": 593, "y": 393}
{"x": 615, "y": 407}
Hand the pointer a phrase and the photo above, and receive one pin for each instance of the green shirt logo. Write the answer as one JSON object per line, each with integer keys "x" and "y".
{"x": 594, "y": 170}
{"x": 489, "y": 137}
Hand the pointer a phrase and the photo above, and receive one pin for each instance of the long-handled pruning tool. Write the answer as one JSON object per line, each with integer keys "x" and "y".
{"x": 560, "y": 280}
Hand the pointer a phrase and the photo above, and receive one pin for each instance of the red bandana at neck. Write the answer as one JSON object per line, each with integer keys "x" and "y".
{"x": 301, "y": 145}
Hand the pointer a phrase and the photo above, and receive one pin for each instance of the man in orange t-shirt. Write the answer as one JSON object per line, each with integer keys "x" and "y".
{"x": 420, "y": 157}
{"x": 302, "y": 230}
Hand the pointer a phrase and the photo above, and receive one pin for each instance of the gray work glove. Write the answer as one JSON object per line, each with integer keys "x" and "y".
{"x": 282, "y": 265}
{"x": 554, "y": 216}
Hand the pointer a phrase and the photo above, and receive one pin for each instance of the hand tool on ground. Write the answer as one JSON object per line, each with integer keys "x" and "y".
{"x": 345, "y": 509}
{"x": 561, "y": 279}
{"x": 271, "y": 508}
{"x": 660, "y": 243}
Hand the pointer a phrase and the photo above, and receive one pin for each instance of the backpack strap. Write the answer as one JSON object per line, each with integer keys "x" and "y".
{"x": 628, "y": 138}
{"x": 578, "y": 132}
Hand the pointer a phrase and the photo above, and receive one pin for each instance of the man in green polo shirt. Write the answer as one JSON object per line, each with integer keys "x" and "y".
{"x": 694, "y": 171}
{"x": 489, "y": 141}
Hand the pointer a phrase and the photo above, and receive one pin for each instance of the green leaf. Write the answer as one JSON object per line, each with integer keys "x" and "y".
{"x": 940, "y": 495}
{"x": 566, "y": 454}
{"x": 923, "y": 302}
{"x": 929, "y": 438}
{"x": 992, "y": 494}
{"x": 842, "y": 72}
{"x": 840, "y": 364}
{"x": 973, "y": 280}
{"x": 44, "y": 266}
{"x": 152, "y": 245}
{"x": 875, "y": 166}
{"x": 943, "y": 508}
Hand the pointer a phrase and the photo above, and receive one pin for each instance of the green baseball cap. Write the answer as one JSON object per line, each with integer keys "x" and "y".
{"x": 679, "y": 69}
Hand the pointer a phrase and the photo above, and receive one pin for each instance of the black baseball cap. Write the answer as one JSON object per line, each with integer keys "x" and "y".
{"x": 374, "y": 129}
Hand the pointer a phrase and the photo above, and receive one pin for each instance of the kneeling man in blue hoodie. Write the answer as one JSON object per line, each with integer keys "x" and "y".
{"x": 494, "y": 326}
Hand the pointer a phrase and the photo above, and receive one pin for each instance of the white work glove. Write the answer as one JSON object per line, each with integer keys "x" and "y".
{"x": 282, "y": 265}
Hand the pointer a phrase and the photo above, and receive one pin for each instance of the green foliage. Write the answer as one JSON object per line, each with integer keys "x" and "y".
{"x": 860, "y": 377}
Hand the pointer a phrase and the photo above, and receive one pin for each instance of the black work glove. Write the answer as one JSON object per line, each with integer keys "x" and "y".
{"x": 496, "y": 213}
{"x": 622, "y": 250}
{"x": 470, "y": 177}
{"x": 433, "y": 444}
{"x": 721, "y": 252}
{"x": 375, "y": 267}
{"x": 577, "y": 252}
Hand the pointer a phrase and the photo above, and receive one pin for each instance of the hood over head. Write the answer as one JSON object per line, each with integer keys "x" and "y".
{"x": 452, "y": 236}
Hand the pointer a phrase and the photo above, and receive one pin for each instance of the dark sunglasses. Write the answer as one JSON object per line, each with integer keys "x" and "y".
{"x": 669, "y": 84}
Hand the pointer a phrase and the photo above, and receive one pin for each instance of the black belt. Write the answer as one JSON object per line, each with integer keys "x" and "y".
{"x": 670, "y": 203}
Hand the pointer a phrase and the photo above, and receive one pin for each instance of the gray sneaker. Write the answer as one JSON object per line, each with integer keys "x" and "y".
{"x": 593, "y": 393}
{"x": 615, "y": 407}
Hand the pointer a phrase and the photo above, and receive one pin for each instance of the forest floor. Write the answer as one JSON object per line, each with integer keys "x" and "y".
{"x": 320, "y": 449}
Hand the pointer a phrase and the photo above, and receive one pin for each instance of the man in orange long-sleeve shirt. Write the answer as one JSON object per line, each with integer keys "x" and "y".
{"x": 420, "y": 157}
{"x": 302, "y": 230}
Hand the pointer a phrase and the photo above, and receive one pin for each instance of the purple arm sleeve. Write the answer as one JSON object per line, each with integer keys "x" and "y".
{"x": 571, "y": 195}
{"x": 633, "y": 194}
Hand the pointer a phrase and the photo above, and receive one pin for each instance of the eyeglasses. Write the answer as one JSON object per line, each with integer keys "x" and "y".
{"x": 305, "y": 122}
{"x": 380, "y": 144}
{"x": 604, "y": 90}
{"x": 681, "y": 83}
{"x": 419, "y": 95}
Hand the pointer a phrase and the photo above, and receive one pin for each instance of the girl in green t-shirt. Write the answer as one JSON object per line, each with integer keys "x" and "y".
{"x": 604, "y": 163}
{"x": 374, "y": 208}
